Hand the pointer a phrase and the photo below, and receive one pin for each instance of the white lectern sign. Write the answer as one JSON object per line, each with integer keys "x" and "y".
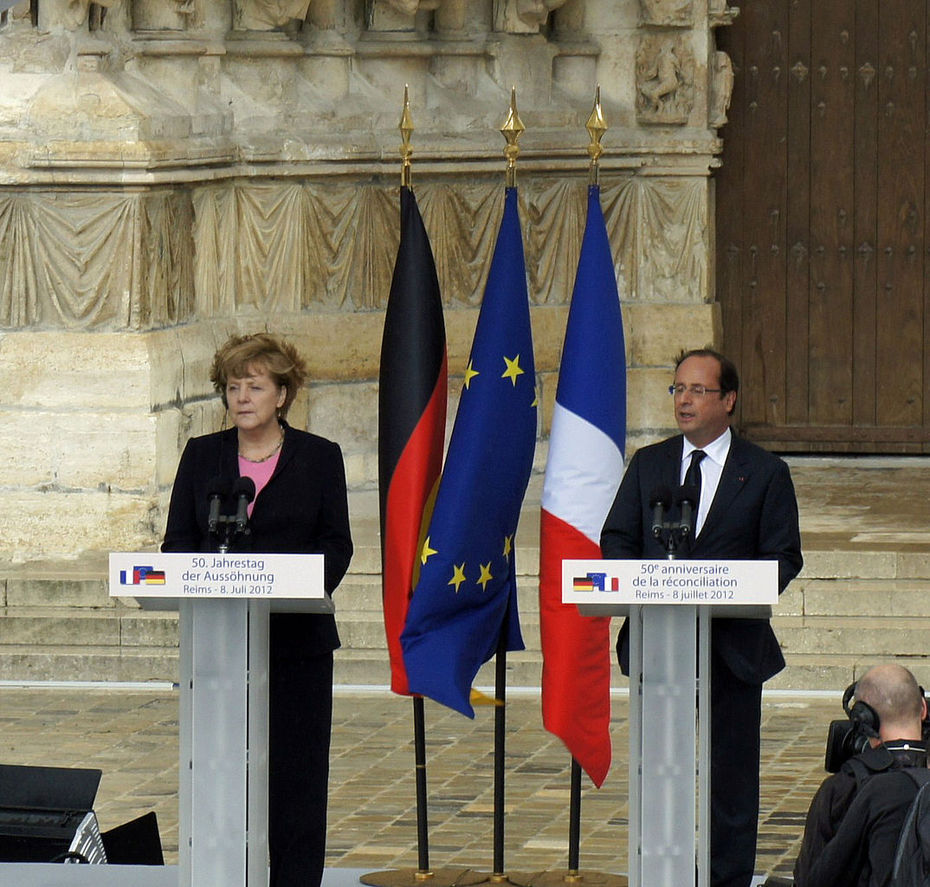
{"x": 720, "y": 583}
{"x": 204, "y": 575}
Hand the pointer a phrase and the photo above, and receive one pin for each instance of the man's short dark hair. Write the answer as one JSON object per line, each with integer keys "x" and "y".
{"x": 729, "y": 377}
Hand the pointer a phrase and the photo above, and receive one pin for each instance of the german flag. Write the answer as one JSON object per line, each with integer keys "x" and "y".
{"x": 411, "y": 422}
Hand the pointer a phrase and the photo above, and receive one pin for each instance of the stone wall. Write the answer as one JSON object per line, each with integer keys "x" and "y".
{"x": 175, "y": 170}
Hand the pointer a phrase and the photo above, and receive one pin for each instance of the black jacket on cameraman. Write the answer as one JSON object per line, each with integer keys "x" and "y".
{"x": 854, "y": 819}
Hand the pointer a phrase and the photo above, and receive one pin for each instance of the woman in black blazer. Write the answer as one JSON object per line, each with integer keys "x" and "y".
{"x": 300, "y": 507}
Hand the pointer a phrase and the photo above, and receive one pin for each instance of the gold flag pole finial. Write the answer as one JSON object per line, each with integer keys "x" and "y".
{"x": 512, "y": 129}
{"x": 406, "y": 130}
{"x": 596, "y": 127}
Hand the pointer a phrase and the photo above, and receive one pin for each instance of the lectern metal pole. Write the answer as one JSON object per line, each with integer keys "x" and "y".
{"x": 704, "y": 741}
{"x": 635, "y": 802}
{"x": 258, "y": 704}
{"x": 669, "y": 745}
{"x": 185, "y": 735}
{"x": 218, "y": 707}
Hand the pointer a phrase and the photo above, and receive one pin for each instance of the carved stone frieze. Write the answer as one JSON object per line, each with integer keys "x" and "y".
{"x": 410, "y": 7}
{"x": 664, "y": 80}
{"x": 667, "y": 13}
{"x": 266, "y": 15}
{"x": 719, "y": 14}
{"x": 165, "y": 15}
{"x": 721, "y": 90}
{"x": 18, "y": 12}
{"x": 111, "y": 261}
{"x": 69, "y": 14}
{"x": 523, "y": 16}
{"x": 398, "y": 15}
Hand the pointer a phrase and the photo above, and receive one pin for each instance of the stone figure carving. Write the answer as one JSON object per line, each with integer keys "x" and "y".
{"x": 164, "y": 15}
{"x": 661, "y": 79}
{"x": 667, "y": 13}
{"x": 398, "y": 16}
{"x": 265, "y": 15}
{"x": 68, "y": 14}
{"x": 664, "y": 82}
{"x": 17, "y": 11}
{"x": 523, "y": 16}
{"x": 718, "y": 13}
{"x": 721, "y": 89}
{"x": 411, "y": 7}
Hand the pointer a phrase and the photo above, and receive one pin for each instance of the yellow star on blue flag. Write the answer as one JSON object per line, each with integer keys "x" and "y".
{"x": 453, "y": 627}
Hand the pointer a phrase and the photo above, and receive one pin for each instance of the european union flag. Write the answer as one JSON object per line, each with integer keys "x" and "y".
{"x": 466, "y": 595}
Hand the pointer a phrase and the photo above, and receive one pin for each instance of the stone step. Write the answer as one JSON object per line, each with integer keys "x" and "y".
{"x": 39, "y": 662}
{"x": 875, "y": 637}
{"x": 815, "y": 664}
{"x": 862, "y": 597}
{"x": 57, "y": 626}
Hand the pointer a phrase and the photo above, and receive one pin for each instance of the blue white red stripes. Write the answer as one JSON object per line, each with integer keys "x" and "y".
{"x": 583, "y": 472}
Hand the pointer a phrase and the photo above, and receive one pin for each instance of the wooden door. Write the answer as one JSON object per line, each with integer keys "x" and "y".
{"x": 821, "y": 211}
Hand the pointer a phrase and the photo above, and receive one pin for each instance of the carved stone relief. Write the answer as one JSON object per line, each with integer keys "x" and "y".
{"x": 68, "y": 14}
{"x": 397, "y": 15}
{"x": 163, "y": 15}
{"x": 664, "y": 80}
{"x": 18, "y": 11}
{"x": 569, "y": 21}
{"x": 721, "y": 89}
{"x": 323, "y": 15}
{"x": 667, "y": 13}
{"x": 266, "y": 15}
{"x": 109, "y": 261}
{"x": 411, "y": 7}
{"x": 719, "y": 14}
{"x": 95, "y": 260}
{"x": 523, "y": 16}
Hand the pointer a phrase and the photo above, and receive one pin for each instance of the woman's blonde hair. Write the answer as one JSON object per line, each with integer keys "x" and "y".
{"x": 279, "y": 358}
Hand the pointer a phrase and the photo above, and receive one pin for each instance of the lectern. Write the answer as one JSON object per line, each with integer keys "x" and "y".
{"x": 669, "y": 605}
{"x": 224, "y": 601}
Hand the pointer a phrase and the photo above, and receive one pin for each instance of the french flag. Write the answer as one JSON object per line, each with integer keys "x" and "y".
{"x": 583, "y": 470}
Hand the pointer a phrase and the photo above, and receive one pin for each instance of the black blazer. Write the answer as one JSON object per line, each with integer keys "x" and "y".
{"x": 302, "y": 510}
{"x": 754, "y": 516}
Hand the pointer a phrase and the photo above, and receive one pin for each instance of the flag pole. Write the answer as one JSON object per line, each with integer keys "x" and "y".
{"x": 511, "y": 130}
{"x": 596, "y": 126}
{"x": 423, "y": 872}
{"x": 446, "y": 877}
{"x": 500, "y": 725}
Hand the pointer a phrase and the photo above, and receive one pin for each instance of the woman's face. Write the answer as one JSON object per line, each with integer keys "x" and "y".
{"x": 254, "y": 399}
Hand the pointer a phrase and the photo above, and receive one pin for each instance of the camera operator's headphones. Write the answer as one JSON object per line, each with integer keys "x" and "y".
{"x": 863, "y": 716}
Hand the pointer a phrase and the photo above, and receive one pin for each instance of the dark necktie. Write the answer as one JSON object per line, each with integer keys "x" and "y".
{"x": 693, "y": 475}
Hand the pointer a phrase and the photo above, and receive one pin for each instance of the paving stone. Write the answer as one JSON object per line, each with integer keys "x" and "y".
{"x": 132, "y": 737}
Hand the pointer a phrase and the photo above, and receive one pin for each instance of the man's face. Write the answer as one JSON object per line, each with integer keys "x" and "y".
{"x": 702, "y": 418}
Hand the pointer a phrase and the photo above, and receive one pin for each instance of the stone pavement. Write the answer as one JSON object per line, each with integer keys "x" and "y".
{"x": 131, "y": 735}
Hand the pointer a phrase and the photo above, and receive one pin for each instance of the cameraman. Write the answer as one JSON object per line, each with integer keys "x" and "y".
{"x": 854, "y": 820}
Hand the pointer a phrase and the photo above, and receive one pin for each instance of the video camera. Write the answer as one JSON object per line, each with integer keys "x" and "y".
{"x": 846, "y": 739}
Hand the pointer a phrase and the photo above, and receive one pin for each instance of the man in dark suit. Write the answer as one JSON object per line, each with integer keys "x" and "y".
{"x": 747, "y": 510}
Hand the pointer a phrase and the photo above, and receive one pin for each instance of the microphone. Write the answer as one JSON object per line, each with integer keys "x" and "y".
{"x": 217, "y": 491}
{"x": 660, "y": 499}
{"x": 244, "y": 493}
{"x": 688, "y": 500}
